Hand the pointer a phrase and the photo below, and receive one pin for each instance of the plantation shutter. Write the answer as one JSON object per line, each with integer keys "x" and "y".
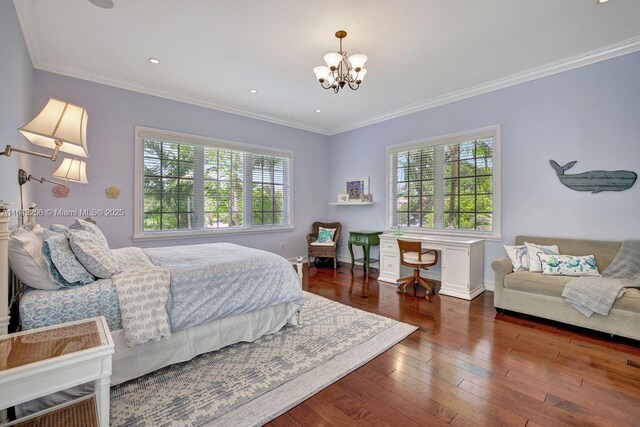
{"x": 443, "y": 185}
{"x": 192, "y": 183}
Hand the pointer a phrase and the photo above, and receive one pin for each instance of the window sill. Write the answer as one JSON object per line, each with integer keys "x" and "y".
{"x": 172, "y": 235}
{"x": 493, "y": 237}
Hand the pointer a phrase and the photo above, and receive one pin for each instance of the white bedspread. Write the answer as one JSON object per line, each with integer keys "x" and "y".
{"x": 216, "y": 280}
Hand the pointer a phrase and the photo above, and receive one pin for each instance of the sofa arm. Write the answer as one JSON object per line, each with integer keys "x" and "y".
{"x": 501, "y": 267}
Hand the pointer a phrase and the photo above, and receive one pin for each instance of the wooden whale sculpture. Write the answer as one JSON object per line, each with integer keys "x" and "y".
{"x": 595, "y": 181}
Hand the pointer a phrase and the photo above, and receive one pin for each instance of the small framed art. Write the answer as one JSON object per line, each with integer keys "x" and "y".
{"x": 343, "y": 198}
{"x": 356, "y": 188}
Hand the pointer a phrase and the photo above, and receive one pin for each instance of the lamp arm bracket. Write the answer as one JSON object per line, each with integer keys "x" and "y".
{"x": 10, "y": 149}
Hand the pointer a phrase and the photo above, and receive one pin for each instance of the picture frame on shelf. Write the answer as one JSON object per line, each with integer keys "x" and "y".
{"x": 343, "y": 198}
{"x": 366, "y": 198}
{"x": 356, "y": 188}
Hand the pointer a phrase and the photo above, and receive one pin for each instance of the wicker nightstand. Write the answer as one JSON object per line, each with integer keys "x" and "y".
{"x": 42, "y": 361}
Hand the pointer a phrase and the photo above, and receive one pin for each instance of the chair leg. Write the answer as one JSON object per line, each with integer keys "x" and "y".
{"x": 335, "y": 263}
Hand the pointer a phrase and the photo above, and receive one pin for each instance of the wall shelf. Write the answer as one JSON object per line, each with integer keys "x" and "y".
{"x": 351, "y": 204}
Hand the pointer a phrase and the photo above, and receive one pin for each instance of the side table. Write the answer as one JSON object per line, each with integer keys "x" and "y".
{"x": 366, "y": 239}
{"x": 42, "y": 361}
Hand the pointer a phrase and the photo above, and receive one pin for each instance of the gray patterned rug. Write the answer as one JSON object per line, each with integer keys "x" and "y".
{"x": 252, "y": 383}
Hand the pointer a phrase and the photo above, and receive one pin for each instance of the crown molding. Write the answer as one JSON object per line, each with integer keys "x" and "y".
{"x": 188, "y": 99}
{"x": 597, "y": 55}
{"x": 29, "y": 23}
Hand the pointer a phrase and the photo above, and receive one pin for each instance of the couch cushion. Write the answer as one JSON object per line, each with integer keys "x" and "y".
{"x": 537, "y": 283}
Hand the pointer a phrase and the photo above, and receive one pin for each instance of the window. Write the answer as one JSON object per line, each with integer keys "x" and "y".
{"x": 195, "y": 185}
{"x": 446, "y": 185}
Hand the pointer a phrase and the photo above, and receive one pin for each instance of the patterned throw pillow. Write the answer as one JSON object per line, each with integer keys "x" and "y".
{"x": 81, "y": 224}
{"x": 59, "y": 228}
{"x": 64, "y": 267}
{"x": 518, "y": 256}
{"x": 569, "y": 265}
{"x": 533, "y": 250}
{"x": 325, "y": 234}
{"x": 94, "y": 255}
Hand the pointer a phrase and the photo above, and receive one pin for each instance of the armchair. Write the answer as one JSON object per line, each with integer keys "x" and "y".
{"x": 319, "y": 250}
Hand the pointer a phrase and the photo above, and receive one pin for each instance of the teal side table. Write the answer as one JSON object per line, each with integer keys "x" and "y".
{"x": 366, "y": 239}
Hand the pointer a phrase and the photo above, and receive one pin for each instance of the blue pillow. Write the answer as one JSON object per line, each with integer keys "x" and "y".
{"x": 64, "y": 267}
{"x": 93, "y": 253}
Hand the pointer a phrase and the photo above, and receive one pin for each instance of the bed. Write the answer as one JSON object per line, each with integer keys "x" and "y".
{"x": 220, "y": 294}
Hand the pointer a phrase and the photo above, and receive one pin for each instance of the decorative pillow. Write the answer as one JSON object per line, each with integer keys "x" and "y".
{"x": 64, "y": 267}
{"x": 325, "y": 234}
{"x": 94, "y": 255}
{"x": 533, "y": 250}
{"x": 59, "y": 228}
{"x": 518, "y": 256}
{"x": 27, "y": 262}
{"x": 81, "y": 224}
{"x": 569, "y": 265}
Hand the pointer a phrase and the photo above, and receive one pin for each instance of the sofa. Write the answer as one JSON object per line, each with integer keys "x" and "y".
{"x": 541, "y": 295}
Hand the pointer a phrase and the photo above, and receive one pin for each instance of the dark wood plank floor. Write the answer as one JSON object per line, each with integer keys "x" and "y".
{"x": 468, "y": 366}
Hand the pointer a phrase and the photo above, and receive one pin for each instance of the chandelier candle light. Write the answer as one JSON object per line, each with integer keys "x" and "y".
{"x": 340, "y": 70}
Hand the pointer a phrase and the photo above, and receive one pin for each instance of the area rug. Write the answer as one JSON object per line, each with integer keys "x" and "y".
{"x": 252, "y": 383}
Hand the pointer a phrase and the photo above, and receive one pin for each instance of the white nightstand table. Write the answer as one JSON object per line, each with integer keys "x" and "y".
{"x": 42, "y": 361}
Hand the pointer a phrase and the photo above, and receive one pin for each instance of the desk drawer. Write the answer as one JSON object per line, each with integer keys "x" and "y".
{"x": 390, "y": 247}
{"x": 389, "y": 264}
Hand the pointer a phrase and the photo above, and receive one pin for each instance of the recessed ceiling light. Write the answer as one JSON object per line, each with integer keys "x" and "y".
{"x": 603, "y": 1}
{"x": 154, "y": 60}
{"x": 318, "y": 111}
{"x": 253, "y": 91}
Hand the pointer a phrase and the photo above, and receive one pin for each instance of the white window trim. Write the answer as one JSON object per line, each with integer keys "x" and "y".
{"x": 140, "y": 234}
{"x": 494, "y": 131}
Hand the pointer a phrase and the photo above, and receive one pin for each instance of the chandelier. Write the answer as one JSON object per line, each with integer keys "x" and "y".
{"x": 340, "y": 70}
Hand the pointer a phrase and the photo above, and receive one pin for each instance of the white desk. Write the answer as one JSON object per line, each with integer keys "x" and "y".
{"x": 461, "y": 262}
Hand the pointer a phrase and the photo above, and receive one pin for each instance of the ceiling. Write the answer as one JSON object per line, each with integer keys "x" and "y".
{"x": 421, "y": 53}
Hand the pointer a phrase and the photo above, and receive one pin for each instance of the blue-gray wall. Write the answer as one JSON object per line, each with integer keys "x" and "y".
{"x": 16, "y": 101}
{"x": 113, "y": 114}
{"x": 591, "y": 114}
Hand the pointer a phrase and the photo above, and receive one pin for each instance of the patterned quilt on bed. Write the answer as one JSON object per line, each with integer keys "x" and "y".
{"x": 216, "y": 280}
{"x": 208, "y": 282}
{"x": 143, "y": 291}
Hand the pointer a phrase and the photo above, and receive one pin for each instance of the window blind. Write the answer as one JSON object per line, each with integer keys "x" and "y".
{"x": 443, "y": 185}
{"x": 196, "y": 184}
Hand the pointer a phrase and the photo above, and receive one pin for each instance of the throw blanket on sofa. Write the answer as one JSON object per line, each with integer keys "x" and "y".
{"x": 142, "y": 289}
{"x": 591, "y": 294}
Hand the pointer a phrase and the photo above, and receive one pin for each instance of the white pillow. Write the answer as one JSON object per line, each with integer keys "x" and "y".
{"x": 518, "y": 256}
{"x": 27, "y": 262}
{"x": 534, "y": 261}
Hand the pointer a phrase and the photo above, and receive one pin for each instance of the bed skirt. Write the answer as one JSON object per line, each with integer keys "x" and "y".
{"x": 134, "y": 362}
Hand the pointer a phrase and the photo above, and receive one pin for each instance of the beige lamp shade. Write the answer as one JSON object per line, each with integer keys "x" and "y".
{"x": 59, "y": 121}
{"x": 72, "y": 170}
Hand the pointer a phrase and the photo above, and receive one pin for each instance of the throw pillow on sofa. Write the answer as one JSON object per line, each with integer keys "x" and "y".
{"x": 534, "y": 260}
{"x": 569, "y": 265}
{"x": 518, "y": 256}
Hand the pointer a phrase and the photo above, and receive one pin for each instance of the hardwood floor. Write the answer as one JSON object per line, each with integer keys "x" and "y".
{"x": 468, "y": 366}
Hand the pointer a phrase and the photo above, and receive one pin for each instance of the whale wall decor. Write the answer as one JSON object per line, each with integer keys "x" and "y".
{"x": 595, "y": 181}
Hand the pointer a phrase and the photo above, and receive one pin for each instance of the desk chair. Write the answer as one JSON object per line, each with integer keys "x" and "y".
{"x": 412, "y": 256}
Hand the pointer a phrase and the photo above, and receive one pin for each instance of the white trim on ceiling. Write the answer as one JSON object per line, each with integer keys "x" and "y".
{"x": 584, "y": 59}
{"x": 29, "y": 24}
